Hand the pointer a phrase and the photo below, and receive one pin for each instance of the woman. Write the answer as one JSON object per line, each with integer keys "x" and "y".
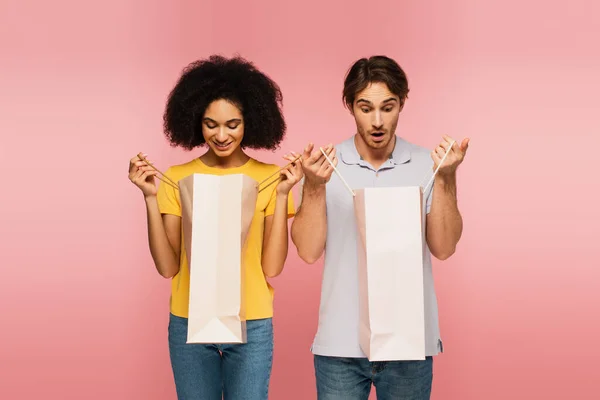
{"x": 228, "y": 106}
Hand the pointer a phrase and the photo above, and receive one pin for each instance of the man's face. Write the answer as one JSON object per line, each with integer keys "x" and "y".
{"x": 376, "y": 111}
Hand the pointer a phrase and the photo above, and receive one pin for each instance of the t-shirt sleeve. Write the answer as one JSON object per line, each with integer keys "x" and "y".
{"x": 271, "y": 205}
{"x": 168, "y": 198}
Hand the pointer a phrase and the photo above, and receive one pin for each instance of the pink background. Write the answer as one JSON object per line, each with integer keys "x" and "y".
{"x": 82, "y": 89}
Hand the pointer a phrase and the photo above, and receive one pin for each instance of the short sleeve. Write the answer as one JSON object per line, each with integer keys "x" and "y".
{"x": 168, "y": 198}
{"x": 271, "y": 205}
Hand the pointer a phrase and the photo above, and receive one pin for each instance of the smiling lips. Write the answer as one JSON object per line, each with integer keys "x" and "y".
{"x": 222, "y": 146}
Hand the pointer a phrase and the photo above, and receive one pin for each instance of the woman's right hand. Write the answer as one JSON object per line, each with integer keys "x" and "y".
{"x": 142, "y": 176}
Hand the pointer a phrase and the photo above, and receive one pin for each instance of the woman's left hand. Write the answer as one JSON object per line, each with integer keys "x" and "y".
{"x": 291, "y": 174}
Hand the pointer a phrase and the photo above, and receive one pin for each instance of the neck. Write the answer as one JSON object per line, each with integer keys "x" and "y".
{"x": 234, "y": 160}
{"x": 375, "y": 157}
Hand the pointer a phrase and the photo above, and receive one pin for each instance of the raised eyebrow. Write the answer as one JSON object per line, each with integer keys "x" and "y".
{"x": 390, "y": 100}
{"x": 363, "y": 101}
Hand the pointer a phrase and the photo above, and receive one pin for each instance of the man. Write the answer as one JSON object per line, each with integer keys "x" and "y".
{"x": 375, "y": 90}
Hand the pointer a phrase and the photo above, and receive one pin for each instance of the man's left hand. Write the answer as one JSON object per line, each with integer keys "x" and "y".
{"x": 454, "y": 158}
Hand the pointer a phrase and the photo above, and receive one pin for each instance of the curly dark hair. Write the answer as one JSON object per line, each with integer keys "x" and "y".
{"x": 236, "y": 80}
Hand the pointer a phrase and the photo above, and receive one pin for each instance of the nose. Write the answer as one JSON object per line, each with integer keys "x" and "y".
{"x": 221, "y": 135}
{"x": 377, "y": 119}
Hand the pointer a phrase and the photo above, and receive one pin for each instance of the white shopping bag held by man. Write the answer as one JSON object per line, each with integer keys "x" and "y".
{"x": 391, "y": 250}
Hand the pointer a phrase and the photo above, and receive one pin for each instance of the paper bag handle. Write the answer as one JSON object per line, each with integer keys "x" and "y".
{"x": 352, "y": 191}
{"x": 438, "y": 167}
{"x": 338, "y": 173}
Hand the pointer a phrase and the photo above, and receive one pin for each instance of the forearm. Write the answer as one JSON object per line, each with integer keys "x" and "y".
{"x": 166, "y": 258}
{"x": 444, "y": 222}
{"x": 275, "y": 243}
{"x": 309, "y": 228}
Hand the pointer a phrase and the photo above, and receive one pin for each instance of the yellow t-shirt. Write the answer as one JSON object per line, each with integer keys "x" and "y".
{"x": 258, "y": 292}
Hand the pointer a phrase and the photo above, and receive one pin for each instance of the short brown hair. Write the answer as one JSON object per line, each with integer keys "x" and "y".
{"x": 374, "y": 69}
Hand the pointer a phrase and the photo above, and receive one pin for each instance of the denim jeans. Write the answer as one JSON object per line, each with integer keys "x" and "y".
{"x": 222, "y": 371}
{"x": 351, "y": 378}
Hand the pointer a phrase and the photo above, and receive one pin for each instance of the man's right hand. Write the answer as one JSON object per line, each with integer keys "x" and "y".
{"x": 317, "y": 170}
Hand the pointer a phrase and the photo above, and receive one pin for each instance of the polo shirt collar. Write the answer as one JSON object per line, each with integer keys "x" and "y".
{"x": 349, "y": 154}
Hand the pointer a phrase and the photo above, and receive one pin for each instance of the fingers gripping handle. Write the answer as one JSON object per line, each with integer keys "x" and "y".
{"x": 438, "y": 167}
{"x": 337, "y": 172}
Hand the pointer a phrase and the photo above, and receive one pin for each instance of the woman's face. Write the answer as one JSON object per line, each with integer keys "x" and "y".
{"x": 223, "y": 127}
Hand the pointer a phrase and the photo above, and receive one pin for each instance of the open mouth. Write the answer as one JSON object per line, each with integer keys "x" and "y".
{"x": 222, "y": 146}
{"x": 377, "y": 136}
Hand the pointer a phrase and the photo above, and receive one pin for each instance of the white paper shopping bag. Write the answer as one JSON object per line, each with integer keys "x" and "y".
{"x": 216, "y": 215}
{"x": 391, "y": 244}
{"x": 391, "y": 250}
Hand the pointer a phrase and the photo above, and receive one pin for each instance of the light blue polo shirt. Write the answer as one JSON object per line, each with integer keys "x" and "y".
{"x": 337, "y": 333}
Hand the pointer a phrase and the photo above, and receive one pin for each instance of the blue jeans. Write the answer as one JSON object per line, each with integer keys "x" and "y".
{"x": 222, "y": 371}
{"x": 351, "y": 378}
